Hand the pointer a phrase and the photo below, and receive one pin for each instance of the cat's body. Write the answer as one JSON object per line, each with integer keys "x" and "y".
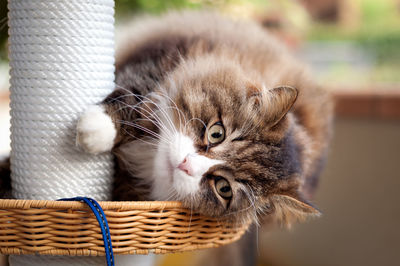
{"x": 205, "y": 112}
{"x": 213, "y": 113}
{"x": 182, "y": 75}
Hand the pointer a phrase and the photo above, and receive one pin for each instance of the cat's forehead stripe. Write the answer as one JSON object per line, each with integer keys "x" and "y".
{"x": 243, "y": 181}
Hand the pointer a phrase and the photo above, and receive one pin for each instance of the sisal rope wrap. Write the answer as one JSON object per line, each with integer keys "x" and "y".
{"x": 62, "y": 60}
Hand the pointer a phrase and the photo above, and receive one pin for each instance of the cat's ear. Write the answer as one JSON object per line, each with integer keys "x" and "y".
{"x": 275, "y": 103}
{"x": 289, "y": 210}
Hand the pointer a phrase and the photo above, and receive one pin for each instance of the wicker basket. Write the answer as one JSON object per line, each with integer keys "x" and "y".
{"x": 70, "y": 228}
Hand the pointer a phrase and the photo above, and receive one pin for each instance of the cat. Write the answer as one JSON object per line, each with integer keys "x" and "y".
{"x": 214, "y": 113}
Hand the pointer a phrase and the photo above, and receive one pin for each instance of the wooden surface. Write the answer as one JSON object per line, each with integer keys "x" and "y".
{"x": 380, "y": 103}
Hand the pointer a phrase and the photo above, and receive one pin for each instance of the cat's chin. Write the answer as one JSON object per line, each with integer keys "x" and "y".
{"x": 184, "y": 184}
{"x": 171, "y": 183}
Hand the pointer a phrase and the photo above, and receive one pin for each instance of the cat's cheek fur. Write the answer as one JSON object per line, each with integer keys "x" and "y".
{"x": 168, "y": 178}
{"x": 187, "y": 185}
{"x": 184, "y": 184}
{"x": 95, "y": 130}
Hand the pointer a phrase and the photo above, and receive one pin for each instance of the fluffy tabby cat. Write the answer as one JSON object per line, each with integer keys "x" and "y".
{"x": 214, "y": 113}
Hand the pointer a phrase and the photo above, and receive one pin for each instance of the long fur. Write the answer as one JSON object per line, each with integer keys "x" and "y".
{"x": 187, "y": 70}
{"x": 180, "y": 74}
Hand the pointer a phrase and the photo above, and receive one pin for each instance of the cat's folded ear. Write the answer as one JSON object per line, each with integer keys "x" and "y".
{"x": 274, "y": 103}
{"x": 278, "y": 102}
{"x": 289, "y": 210}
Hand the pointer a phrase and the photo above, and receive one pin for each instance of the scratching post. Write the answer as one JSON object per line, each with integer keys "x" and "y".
{"x": 62, "y": 60}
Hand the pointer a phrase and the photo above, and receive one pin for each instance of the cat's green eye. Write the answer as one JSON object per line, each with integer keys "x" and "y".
{"x": 223, "y": 188}
{"x": 216, "y": 134}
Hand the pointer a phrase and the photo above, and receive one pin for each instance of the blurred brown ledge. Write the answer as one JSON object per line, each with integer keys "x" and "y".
{"x": 380, "y": 103}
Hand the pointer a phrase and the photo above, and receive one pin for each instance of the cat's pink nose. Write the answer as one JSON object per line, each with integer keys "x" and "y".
{"x": 186, "y": 167}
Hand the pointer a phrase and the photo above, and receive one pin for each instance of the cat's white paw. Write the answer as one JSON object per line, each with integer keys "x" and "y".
{"x": 95, "y": 130}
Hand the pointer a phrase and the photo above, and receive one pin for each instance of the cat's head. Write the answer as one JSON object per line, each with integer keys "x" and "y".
{"x": 224, "y": 146}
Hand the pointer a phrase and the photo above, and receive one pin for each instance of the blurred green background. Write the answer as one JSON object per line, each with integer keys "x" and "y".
{"x": 347, "y": 42}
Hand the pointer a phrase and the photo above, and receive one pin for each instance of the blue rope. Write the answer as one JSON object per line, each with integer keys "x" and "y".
{"x": 102, "y": 220}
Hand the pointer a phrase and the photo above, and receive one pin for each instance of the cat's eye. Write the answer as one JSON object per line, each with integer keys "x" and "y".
{"x": 223, "y": 188}
{"x": 216, "y": 134}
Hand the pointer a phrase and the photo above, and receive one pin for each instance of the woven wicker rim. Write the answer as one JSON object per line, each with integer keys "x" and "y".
{"x": 69, "y": 228}
{"x": 106, "y": 205}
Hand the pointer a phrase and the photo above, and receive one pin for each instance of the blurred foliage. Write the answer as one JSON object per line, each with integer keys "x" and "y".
{"x": 127, "y": 7}
{"x": 378, "y": 30}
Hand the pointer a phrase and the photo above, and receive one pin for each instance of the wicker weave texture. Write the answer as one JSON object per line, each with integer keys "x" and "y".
{"x": 69, "y": 228}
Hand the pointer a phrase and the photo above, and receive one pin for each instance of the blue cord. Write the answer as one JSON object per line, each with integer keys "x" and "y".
{"x": 102, "y": 220}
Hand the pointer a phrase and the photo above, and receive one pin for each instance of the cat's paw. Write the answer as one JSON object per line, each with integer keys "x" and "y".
{"x": 95, "y": 130}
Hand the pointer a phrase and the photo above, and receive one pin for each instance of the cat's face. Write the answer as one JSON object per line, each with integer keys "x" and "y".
{"x": 223, "y": 146}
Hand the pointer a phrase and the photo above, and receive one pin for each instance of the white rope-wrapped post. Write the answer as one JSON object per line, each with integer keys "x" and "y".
{"x": 62, "y": 60}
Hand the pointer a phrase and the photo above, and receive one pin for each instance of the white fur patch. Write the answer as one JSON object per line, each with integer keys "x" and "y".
{"x": 186, "y": 184}
{"x": 95, "y": 130}
{"x": 171, "y": 182}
